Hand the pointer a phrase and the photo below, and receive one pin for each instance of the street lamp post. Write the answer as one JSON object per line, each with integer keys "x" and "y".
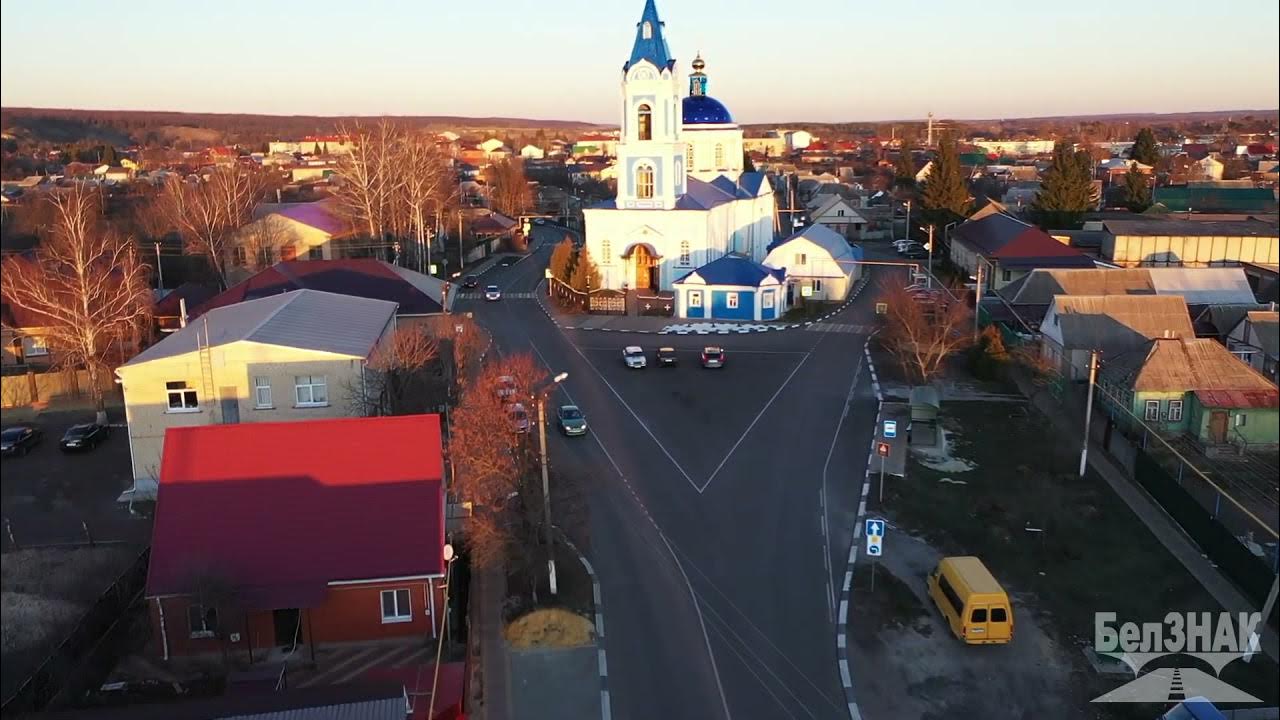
{"x": 159, "y": 267}
{"x": 546, "y": 488}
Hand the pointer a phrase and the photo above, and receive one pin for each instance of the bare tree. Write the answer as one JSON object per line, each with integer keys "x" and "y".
{"x": 370, "y": 182}
{"x": 427, "y": 188}
{"x": 404, "y": 376}
{"x": 209, "y": 211}
{"x": 86, "y": 282}
{"x": 262, "y": 240}
{"x": 510, "y": 188}
{"x": 922, "y": 331}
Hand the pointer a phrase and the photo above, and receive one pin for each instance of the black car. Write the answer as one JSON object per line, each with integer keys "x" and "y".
{"x": 470, "y": 281}
{"x": 85, "y": 436}
{"x": 667, "y": 356}
{"x": 19, "y": 439}
{"x": 915, "y": 252}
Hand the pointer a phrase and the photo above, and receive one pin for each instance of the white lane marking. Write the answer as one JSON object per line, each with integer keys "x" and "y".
{"x": 835, "y": 437}
{"x": 759, "y": 415}
{"x": 697, "y": 606}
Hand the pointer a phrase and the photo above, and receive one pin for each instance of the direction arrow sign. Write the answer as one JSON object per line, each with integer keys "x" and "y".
{"x": 891, "y": 428}
{"x": 875, "y": 536}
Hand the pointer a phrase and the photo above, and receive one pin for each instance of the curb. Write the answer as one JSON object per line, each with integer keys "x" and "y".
{"x": 712, "y": 329}
{"x": 842, "y": 620}
{"x": 601, "y": 662}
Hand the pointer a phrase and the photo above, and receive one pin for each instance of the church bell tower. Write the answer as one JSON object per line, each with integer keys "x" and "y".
{"x": 651, "y": 172}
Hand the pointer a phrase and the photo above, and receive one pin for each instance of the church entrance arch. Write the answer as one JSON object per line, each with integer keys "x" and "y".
{"x": 644, "y": 264}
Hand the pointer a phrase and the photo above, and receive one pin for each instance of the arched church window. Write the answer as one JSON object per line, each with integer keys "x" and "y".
{"x": 647, "y": 31}
{"x": 688, "y": 157}
{"x": 644, "y": 117}
{"x": 644, "y": 182}
{"x": 684, "y": 253}
{"x": 719, "y": 157}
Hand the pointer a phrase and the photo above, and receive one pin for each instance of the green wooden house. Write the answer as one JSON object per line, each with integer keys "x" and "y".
{"x": 1196, "y": 388}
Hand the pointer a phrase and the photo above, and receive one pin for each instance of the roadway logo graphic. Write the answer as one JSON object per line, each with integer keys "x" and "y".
{"x": 1216, "y": 639}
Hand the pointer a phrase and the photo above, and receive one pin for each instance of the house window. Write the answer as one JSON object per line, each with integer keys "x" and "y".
{"x": 261, "y": 391}
{"x": 181, "y": 397}
{"x": 644, "y": 122}
{"x": 1152, "y": 411}
{"x": 839, "y": 213}
{"x": 1006, "y": 275}
{"x": 34, "y": 346}
{"x": 695, "y": 298}
{"x": 289, "y": 252}
{"x": 766, "y": 300}
{"x": 731, "y": 300}
{"x": 395, "y": 606}
{"x": 1175, "y": 411}
{"x": 817, "y": 285}
{"x": 719, "y": 157}
{"x": 238, "y": 256}
{"x": 685, "y": 259}
{"x": 311, "y": 390}
{"x": 644, "y": 182}
{"x": 315, "y": 252}
{"x": 1241, "y": 419}
{"x": 801, "y": 258}
{"x": 203, "y": 621}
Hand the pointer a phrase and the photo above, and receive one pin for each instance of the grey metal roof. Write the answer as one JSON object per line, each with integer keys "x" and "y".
{"x": 1266, "y": 323}
{"x": 1191, "y": 228}
{"x": 1198, "y": 286}
{"x": 307, "y": 319}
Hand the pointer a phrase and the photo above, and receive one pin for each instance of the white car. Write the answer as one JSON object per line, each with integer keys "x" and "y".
{"x": 492, "y": 293}
{"x": 634, "y": 357}
{"x": 519, "y": 418}
{"x": 901, "y": 244}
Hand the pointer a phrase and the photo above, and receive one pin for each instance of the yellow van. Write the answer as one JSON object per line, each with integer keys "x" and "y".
{"x": 973, "y": 603}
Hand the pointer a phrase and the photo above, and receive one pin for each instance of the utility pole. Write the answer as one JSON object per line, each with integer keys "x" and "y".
{"x": 159, "y": 267}
{"x": 929, "y": 277}
{"x": 444, "y": 627}
{"x": 546, "y": 487}
{"x": 1088, "y": 410}
{"x": 977, "y": 303}
{"x": 907, "y": 235}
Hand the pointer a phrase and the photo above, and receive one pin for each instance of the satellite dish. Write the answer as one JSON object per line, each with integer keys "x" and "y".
{"x": 448, "y": 552}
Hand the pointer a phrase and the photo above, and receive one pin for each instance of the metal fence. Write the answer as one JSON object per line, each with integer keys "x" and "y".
{"x": 95, "y": 642}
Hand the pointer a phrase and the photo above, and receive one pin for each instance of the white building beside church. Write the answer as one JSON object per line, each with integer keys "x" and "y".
{"x": 683, "y": 199}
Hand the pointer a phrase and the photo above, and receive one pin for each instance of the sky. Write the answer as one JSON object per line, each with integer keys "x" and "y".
{"x": 768, "y": 61}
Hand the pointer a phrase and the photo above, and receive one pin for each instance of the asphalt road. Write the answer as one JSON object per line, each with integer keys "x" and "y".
{"x": 721, "y": 504}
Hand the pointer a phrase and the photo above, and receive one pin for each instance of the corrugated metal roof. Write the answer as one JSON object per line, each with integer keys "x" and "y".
{"x": 1198, "y": 286}
{"x": 309, "y": 319}
{"x": 1180, "y": 364}
{"x": 1161, "y": 226}
{"x": 1238, "y": 399}
{"x": 1266, "y": 323}
{"x": 1116, "y": 323}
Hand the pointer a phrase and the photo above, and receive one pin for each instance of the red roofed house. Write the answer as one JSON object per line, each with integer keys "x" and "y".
{"x": 1008, "y": 248}
{"x": 286, "y": 231}
{"x": 267, "y": 534}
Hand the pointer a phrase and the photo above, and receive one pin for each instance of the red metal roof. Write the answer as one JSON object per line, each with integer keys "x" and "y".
{"x": 1239, "y": 399}
{"x": 277, "y": 510}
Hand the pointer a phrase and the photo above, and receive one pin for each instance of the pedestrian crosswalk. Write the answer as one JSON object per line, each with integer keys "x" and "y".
{"x": 505, "y": 296}
{"x": 840, "y": 328}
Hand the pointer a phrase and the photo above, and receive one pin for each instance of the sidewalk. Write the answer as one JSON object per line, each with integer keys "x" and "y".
{"x": 1166, "y": 530}
{"x": 495, "y": 676}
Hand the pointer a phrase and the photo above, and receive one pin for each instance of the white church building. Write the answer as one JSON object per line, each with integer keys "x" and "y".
{"x": 683, "y": 199}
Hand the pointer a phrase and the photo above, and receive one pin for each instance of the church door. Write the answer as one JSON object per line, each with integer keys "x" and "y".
{"x": 645, "y": 267}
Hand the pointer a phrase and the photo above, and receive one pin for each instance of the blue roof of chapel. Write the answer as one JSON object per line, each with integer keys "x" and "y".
{"x": 737, "y": 270}
{"x": 704, "y": 110}
{"x": 652, "y": 48}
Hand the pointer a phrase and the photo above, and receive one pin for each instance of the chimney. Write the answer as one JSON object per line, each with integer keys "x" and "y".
{"x": 182, "y": 312}
{"x": 277, "y": 196}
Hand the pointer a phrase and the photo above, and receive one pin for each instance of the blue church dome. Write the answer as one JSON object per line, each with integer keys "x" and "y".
{"x": 705, "y": 110}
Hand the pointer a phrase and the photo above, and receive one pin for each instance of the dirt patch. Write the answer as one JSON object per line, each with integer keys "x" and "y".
{"x": 550, "y": 628}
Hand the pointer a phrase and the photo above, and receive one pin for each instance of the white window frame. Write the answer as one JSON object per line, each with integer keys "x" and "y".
{"x": 719, "y": 158}
{"x": 260, "y": 383}
{"x": 188, "y": 398}
{"x": 606, "y": 252}
{"x": 401, "y": 614}
{"x": 1151, "y": 410}
{"x": 1241, "y": 419}
{"x": 685, "y": 254}
{"x": 816, "y": 284}
{"x": 310, "y": 386}
{"x": 205, "y": 631}
{"x": 34, "y": 346}
{"x": 645, "y": 181}
{"x": 688, "y": 157}
{"x": 766, "y": 300}
{"x": 695, "y": 298}
{"x": 1006, "y": 275}
{"x": 731, "y": 300}
{"x": 1175, "y": 411}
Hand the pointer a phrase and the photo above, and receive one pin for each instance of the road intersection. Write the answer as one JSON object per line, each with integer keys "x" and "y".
{"x": 717, "y": 500}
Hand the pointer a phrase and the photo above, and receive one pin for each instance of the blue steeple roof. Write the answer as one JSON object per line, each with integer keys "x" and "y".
{"x": 650, "y": 43}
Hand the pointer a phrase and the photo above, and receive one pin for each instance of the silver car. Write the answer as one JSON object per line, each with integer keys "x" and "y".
{"x": 634, "y": 357}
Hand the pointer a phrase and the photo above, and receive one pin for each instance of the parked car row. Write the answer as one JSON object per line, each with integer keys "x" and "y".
{"x": 633, "y": 356}
{"x": 21, "y": 439}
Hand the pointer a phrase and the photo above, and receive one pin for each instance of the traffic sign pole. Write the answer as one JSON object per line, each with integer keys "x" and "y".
{"x": 882, "y": 481}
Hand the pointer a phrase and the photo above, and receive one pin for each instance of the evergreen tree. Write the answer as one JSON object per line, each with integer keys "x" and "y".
{"x": 1066, "y": 189}
{"x": 109, "y": 156}
{"x": 945, "y": 197}
{"x": 586, "y": 276}
{"x": 1137, "y": 191}
{"x": 747, "y": 165}
{"x": 904, "y": 170}
{"x": 1145, "y": 149}
{"x": 562, "y": 257}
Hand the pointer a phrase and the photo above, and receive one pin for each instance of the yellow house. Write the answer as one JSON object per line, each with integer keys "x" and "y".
{"x": 283, "y": 232}
{"x": 300, "y": 355}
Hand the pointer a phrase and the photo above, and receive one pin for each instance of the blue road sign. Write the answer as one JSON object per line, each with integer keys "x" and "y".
{"x": 875, "y": 536}
{"x": 891, "y": 428}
